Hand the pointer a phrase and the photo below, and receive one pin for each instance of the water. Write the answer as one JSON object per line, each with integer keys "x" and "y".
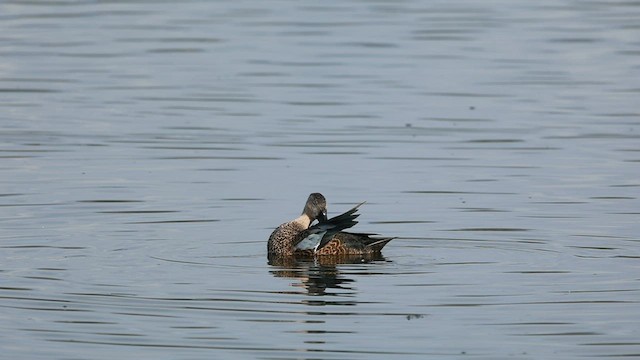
{"x": 147, "y": 150}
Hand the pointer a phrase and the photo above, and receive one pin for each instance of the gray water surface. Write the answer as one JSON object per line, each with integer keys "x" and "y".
{"x": 148, "y": 149}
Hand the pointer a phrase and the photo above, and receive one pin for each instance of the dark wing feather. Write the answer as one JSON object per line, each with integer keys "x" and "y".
{"x": 320, "y": 234}
{"x": 342, "y": 221}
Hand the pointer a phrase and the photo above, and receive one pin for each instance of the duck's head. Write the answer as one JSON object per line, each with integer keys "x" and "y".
{"x": 316, "y": 207}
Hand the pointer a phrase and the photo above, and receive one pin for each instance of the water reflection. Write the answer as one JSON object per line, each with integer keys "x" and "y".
{"x": 320, "y": 273}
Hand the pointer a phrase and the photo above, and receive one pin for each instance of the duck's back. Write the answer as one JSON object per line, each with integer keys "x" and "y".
{"x": 345, "y": 243}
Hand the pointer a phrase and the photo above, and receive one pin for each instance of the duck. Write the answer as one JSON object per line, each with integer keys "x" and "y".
{"x": 299, "y": 237}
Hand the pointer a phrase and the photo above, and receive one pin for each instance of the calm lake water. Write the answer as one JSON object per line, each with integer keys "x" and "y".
{"x": 148, "y": 149}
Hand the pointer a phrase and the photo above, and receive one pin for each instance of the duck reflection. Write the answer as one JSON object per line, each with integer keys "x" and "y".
{"x": 320, "y": 273}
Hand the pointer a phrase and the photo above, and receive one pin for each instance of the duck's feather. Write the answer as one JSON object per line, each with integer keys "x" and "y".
{"x": 344, "y": 243}
{"x": 318, "y": 235}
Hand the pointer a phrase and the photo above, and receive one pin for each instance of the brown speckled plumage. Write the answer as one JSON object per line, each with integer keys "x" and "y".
{"x": 344, "y": 243}
{"x": 289, "y": 238}
{"x": 283, "y": 239}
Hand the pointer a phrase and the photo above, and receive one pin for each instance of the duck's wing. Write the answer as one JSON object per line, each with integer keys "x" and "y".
{"x": 363, "y": 241}
{"x": 320, "y": 234}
